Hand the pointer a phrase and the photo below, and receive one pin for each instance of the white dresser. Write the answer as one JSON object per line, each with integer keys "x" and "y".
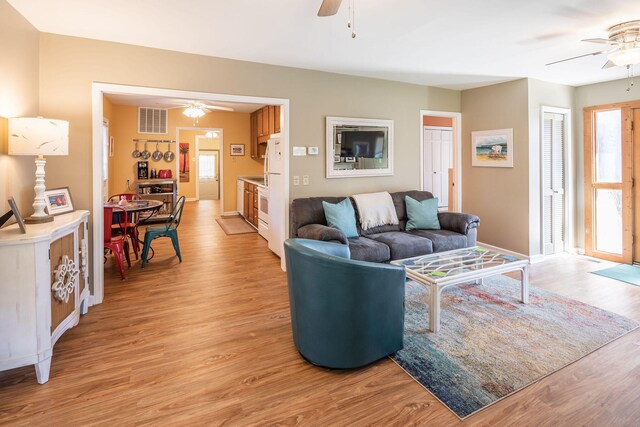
{"x": 43, "y": 288}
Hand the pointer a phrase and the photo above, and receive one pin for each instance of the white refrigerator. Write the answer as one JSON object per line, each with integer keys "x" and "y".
{"x": 274, "y": 179}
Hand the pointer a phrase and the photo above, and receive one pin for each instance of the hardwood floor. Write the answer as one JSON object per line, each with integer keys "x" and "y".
{"x": 208, "y": 342}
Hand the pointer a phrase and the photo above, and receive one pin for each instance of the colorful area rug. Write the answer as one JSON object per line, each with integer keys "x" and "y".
{"x": 490, "y": 345}
{"x": 623, "y": 272}
{"x": 235, "y": 225}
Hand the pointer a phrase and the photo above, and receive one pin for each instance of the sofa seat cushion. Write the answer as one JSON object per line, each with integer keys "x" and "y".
{"x": 443, "y": 240}
{"x": 404, "y": 245}
{"x": 364, "y": 249}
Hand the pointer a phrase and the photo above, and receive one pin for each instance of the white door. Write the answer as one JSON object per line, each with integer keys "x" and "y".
{"x": 437, "y": 161}
{"x": 208, "y": 174}
{"x": 553, "y": 183}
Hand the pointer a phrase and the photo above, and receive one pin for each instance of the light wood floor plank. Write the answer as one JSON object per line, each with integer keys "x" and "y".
{"x": 208, "y": 342}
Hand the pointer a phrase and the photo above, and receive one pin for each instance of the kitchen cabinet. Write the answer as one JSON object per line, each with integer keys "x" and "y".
{"x": 276, "y": 119}
{"x": 254, "y": 135}
{"x": 264, "y": 122}
{"x": 251, "y": 203}
{"x": 44, "y": 288}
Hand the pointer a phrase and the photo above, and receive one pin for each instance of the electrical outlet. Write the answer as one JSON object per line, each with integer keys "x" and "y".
{"x": 305, "y": 179}
{"x": 296, "y": 180}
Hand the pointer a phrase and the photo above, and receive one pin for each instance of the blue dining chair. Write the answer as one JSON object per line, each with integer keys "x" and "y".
{"x": 168, "y": 229}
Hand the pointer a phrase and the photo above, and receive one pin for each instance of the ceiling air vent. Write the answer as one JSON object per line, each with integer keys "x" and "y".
{"x": 152, "y": 120}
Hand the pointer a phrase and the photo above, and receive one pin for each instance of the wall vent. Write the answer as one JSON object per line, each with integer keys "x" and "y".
{"x": 152, "y": 120}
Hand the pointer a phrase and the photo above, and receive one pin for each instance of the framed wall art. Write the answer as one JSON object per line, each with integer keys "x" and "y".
{"x": 237, "y": 149}
{"x": 492, "y": 148}
{"x": 58, "y": 201}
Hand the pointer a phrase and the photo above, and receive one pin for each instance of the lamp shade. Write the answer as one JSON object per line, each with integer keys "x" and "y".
{"x": 38, "y": 136}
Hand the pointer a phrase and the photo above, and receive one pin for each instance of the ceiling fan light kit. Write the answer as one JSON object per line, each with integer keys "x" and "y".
{"x": 193, "y": 111}
{"x": 625, "y": 57}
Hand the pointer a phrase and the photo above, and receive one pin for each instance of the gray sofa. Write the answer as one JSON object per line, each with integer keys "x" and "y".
{"x": 387, "y": 242}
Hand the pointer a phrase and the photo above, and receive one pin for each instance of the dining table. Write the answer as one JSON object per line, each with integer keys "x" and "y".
{"x": 140, "y": 211}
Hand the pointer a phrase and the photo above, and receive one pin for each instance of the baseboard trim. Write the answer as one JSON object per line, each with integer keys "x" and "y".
{"x": 230, "y": 213}
{"x": 577, "y": 251}
{"x": 534, "y": 259}
{"x": 190, "y": 199}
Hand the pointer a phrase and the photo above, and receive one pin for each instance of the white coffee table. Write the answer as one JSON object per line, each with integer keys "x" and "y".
{"x": 440, "y": 270}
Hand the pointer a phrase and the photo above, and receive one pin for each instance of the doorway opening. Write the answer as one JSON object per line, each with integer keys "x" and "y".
{"x": 440, "y": 161}
{"x": 100, "y": 91}
{"x": 208, "y": 166}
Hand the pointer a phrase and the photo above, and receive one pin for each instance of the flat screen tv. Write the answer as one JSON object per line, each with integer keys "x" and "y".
{"x": 363, "y": 143}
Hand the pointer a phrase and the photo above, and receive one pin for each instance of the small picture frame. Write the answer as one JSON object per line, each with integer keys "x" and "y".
{"x": 350, "y": 159}
{"x": 58, "y": 201}
{"x": 16, "y": 213}
{"x": 112, "y": 147}
{"x": 336, "y": 159}
{"x": 237, "y": 149}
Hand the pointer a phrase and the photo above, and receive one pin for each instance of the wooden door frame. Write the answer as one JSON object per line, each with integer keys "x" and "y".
{"x": 635, "y": 124}
{"x": 626, "y": 186}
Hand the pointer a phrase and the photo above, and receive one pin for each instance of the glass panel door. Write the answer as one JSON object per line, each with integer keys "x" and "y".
{"x": 608, "y": 184}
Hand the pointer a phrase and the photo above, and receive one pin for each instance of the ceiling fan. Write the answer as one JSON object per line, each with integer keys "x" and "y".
{"x": 625, "y": 41}
{"x": 329, "y": 7}
{"x": 201, "y": 106}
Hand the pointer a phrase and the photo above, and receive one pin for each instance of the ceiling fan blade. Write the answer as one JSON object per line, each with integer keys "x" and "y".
{"x": 329, "y": 7}
{"x": 217, "y": 107}
{"x": 576, "y": 57}
{"x": 598, "y": 40}
{"x": 608, "y": 64}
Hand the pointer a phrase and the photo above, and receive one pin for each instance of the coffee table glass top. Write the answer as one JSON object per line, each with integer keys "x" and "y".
{"x": 454, "y": 263}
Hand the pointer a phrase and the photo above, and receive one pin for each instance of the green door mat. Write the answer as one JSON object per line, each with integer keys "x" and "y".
{"x": 623, "y": 272}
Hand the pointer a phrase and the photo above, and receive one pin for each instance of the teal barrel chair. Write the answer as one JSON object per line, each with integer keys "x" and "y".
{"x": 168, "y": 229}
{"x": 344, "y": 313}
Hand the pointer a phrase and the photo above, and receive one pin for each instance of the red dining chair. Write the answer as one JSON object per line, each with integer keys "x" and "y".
{"x": 117, "y": 243}
{"x": 132, "y": 225}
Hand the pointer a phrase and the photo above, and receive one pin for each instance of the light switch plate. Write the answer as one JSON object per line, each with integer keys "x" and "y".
{"x": 296, "y": 180}
{"x": 313, "y": 151}
{"x": 299, "y": 151}
{"x": 305, "y": 179}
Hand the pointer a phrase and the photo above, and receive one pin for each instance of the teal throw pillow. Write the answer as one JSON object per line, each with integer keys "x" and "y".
{"x": 422, "y": 215}
{"x": 341, "y": 216}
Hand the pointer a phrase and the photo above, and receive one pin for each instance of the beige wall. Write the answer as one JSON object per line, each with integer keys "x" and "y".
{"x": 588, "y": 96}
{"x": 69, "y": 65}
{"x": 235, "y": 128}
{"x": 19, "y": 56}
{"x": 499, "y": 196}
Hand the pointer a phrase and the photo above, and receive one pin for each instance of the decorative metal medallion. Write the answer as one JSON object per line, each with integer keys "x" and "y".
{"x": 66, "y": 278}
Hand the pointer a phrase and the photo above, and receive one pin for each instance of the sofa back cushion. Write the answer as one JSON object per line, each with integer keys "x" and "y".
{"x": 308, "y": 211}
{"x": 400, "y": 204}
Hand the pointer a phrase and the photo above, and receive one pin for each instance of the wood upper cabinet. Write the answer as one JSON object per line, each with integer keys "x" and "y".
{"x": 265, "y": 121}
{"x": 276, "y": 119}
{"x": 272, "y": 115}
{"x": 260, "y": 121}
{"x": 254, "y": 135}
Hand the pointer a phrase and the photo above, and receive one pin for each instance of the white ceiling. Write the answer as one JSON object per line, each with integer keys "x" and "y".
{"x": 454, "y": 44}
{"x": 163, "y": 102}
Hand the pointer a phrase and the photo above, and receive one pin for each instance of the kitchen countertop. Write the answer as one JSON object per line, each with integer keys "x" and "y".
{"x": 257, "y": 180}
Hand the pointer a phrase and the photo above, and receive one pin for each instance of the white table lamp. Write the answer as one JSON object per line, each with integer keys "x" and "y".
{"x": 31, "y": 136}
